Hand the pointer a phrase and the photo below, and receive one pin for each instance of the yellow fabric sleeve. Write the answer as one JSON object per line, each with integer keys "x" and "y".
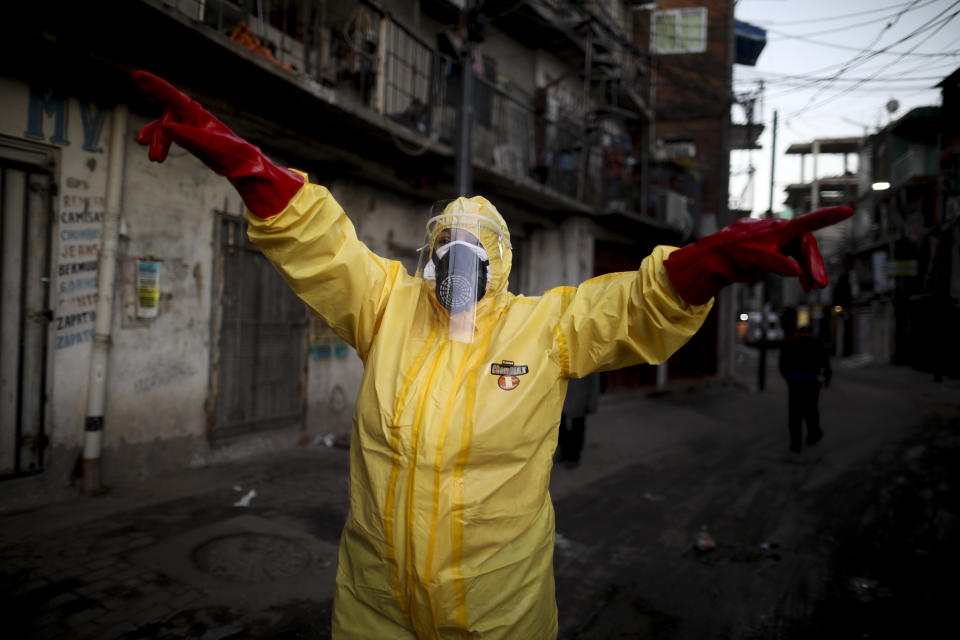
{"x": 315, "y": 246}
{"x": 621, "y": 319}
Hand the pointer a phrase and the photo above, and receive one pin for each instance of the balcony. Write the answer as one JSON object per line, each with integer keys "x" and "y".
{"x": 351, "y": 91}
{"x": 918, "y": 161}
{"x": 376, "y": 69}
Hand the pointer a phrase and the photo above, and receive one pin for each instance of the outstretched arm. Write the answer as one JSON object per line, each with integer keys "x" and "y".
{"x": 622, "y": 319}
{"x": 298, "y": 226}
{"x": 747, "y": 249}
{"x": 265, "y": 188}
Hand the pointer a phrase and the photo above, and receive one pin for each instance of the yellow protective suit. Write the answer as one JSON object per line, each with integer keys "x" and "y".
{"x": 451, "y": 527}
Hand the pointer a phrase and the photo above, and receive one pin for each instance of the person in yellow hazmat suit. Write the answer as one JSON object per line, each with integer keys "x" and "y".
{"x": 450, "y": 530}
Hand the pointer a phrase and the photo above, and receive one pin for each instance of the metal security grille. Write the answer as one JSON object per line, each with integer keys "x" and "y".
{"x": 259, "y": 360}
{"x": 25, "y": 233}
{"x": 407, "y": 75}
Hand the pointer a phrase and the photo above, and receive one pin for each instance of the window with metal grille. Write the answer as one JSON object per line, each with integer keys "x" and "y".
{"x": 407, "y": 78}
{"x": 680, "y": 30}
{"x": 259, "y": 355}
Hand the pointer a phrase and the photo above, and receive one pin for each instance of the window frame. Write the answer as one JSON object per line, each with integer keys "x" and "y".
{"x": 678, "y": 15}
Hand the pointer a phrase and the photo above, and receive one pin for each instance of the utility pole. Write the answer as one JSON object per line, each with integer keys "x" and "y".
{"x": 773, "y": 159}
{"x": 764, "y": 310}
{"x": 585, "y": 145}
{"x": 765, "y": 305}
{"x": 815, "y": 185}
{"x": 471, "y": 29}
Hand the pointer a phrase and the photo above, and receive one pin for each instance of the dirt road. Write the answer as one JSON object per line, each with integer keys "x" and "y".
{"x": 853, "y": 538}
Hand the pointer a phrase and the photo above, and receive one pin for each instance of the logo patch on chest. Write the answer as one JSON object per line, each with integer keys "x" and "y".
{"x": 508, "y": 372}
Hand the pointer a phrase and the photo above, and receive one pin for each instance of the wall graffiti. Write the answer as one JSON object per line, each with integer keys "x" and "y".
{"x": 324, "y": 344}
{"x": 77, "y": 264}
{"x": 53, "y": 106}
{"x": 48, "y": 118}
{"x": 45, "y": 103}
{"x": 161, "y": 376}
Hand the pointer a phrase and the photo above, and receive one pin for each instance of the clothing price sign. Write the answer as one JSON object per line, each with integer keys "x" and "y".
{"x": 902, "y": 268}
{"x": 148, "y": 288}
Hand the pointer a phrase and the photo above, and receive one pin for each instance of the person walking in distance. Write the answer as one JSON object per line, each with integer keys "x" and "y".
{"x": 581, "y": 400}
{"x": 804, "y": 362}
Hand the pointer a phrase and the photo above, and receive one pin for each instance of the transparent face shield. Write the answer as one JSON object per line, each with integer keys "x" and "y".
{"x": 455, "y": 264}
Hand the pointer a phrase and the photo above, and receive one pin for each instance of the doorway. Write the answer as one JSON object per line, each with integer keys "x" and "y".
{"x": 26, "y": 206}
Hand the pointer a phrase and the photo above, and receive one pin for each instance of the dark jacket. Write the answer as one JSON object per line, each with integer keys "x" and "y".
{"x": 804, "y": 358}
{"x": 582, "y": 396}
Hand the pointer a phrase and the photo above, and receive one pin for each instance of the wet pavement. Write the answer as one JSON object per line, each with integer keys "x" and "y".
{"x": 852, "y": 538}
{"x": 855, "y": 537}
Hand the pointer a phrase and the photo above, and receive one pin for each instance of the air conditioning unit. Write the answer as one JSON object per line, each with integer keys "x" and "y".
{"x": 679, "y": 150}
{"x": 677, "y": 214}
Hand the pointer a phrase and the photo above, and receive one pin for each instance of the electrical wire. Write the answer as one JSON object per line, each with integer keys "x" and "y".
{"x": 813, "y": 74}
{"x": 895, "y": 17}
{"x": 867, "y": 54}
{"x": 787, "y": 87}
{"x": 516, "y": 5}
{"x": 863, "y": 55}
{"x": 843, "y": 15}
{"x": 791, "y": 83}
{"x": 786, "y": 78}
{"x": 949, "y": 54}
{"x": 885, "y": 50}
{"x": 809, "y": 106}
{"x": 923, "y": 65}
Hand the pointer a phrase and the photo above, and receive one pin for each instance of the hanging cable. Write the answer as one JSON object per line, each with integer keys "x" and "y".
{"x": 942, "y": 24}
{"x": 863, "y": 56}
{"x": 895, "y": 17}
{"x": 843, "y": 15}
{"x": 867, "y": 54}
{"x": 786, "y": 78}
{"x": 791, "y": 88}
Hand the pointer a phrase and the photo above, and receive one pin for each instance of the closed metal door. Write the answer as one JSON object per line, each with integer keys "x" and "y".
{"x": 259, "y": 362}
{"x": 25, "y": 233}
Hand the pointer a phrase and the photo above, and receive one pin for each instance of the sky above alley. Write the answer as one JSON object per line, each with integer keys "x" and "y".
{"x": 829, "y": 69}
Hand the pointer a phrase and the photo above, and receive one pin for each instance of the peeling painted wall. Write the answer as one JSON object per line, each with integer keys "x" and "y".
{"x": 159, "y": 373}
{"x": 159, "y": 367}
{"x": 79, "y": 132}
{"x": 560, "y": 256}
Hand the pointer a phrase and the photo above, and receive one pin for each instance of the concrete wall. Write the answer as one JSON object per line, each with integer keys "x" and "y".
{"x": 566, "y": 92}
{"x": 79, "y": 134}
{"x": 78, "y": 212}
{"x": 158, "y": 376}
{"x": 159, "y": 371}
{"x": 560, "y": 256}
{"x": 515, "y": 66}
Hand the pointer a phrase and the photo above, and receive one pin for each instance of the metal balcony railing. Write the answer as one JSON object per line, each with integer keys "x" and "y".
{"x": 910, "y": 164}
{"x": 375, "y": 62}
{"x": 902, "y": 168}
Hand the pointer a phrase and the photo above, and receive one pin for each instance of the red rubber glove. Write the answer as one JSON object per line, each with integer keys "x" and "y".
{"x": 747, "y": 249}
{"x": 265, "y": 188}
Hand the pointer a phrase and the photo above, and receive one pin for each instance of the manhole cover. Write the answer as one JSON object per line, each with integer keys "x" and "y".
{"x": 252, "y": 557}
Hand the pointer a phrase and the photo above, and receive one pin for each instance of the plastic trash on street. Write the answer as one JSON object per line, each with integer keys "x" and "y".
{"x": 245, "y": 500}
{"x": 705, "y": 541}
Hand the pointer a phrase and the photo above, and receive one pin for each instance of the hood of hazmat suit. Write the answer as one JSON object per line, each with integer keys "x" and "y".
{"x": 466, "y": 256}
{"x": 451, "y": 528}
